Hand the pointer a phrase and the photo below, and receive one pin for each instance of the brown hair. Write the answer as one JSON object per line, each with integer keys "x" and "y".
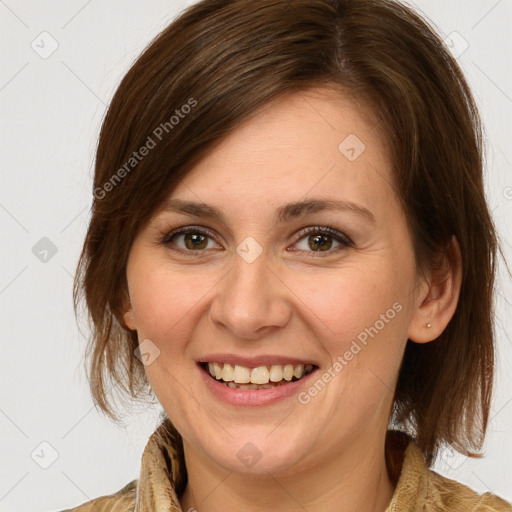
{"x": 225, "y": 59}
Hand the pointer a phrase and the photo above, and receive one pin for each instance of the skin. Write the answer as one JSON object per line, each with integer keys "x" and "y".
{"x": 330, "y": 451}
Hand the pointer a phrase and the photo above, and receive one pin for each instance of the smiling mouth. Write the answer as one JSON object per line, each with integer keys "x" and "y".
{"x": 261, "y": 377}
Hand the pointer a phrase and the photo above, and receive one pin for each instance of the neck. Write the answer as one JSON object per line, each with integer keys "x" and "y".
{"x": 354, "y": 479}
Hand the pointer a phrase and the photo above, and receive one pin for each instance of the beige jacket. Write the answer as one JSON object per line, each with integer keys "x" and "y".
{"x": 418, "y": 489}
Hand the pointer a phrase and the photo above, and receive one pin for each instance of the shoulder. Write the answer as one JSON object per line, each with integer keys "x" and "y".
{"x": 446, "y": 494}
{"x": 120, "y": 501}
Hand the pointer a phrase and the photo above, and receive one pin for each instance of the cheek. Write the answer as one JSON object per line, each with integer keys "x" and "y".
{"x": 359, "y": 318}
{"x": 166, "y": 306}
{"x": 347, "y": 300}
{"x": 165, "y": 301}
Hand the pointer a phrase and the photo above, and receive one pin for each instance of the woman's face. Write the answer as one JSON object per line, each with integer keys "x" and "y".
{"x": 297, "y": 252}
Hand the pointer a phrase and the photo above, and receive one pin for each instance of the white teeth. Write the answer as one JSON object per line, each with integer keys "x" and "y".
{"x": 298, "y": 371}
{"x": 233, "y": 385}
{"x": 241, "y": 375}
{"x": 227, "y": 373}
{"x": 259, "y": 376}
{"x": 276, "y": 373}
{"x": 288, "y": 372}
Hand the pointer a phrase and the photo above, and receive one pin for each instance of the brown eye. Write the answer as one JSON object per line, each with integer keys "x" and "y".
{"x": 320, "y": 242}
{"x": 195, "y": 241}
{"x": 190, "y": 239}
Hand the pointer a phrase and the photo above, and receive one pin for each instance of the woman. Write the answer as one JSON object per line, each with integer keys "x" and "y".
{"x": 290, "y": 247}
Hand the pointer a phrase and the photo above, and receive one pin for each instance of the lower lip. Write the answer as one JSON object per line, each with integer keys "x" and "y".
{"x": 253, "y": 397}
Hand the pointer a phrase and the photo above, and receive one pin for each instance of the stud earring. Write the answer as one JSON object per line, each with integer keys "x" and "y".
{"x": 429, "y": 325}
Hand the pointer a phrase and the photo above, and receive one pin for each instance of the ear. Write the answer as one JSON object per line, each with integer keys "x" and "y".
{"x": 127, "y": 314}
{"x": 438, "y": 297}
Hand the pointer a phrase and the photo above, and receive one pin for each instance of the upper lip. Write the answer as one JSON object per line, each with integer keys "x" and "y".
{"x": 254, "y": 361}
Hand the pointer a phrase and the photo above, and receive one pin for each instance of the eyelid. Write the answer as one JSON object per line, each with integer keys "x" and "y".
{"x": 185, "y": 230}
{"x": 340, "y": 237}
{"x": 188, "y": 229}
{"x": 326, "y": 230}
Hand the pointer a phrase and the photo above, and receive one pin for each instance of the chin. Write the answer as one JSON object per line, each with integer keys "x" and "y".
{"x": 256, "y": 452}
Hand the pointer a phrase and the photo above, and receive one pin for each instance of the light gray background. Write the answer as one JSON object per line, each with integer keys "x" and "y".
{"x": 51, "y": 110}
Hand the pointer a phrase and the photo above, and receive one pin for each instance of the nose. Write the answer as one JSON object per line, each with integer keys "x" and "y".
{"x": 251, "y": 300}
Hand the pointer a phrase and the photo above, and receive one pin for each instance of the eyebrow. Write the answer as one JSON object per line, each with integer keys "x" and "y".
{"x": 286, "y": 212}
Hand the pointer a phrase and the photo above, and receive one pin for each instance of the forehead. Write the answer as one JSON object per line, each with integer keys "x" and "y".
{"x": 306, "y": 143}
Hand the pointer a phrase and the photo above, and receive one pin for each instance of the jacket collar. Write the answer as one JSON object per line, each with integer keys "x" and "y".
{"x": 163, "y": 475}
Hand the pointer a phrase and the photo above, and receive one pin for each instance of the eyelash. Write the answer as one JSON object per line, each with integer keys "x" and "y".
{"x": 341, "y": 238}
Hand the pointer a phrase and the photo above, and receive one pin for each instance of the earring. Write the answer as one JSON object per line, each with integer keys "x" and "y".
{"x": 429, "y": 325}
